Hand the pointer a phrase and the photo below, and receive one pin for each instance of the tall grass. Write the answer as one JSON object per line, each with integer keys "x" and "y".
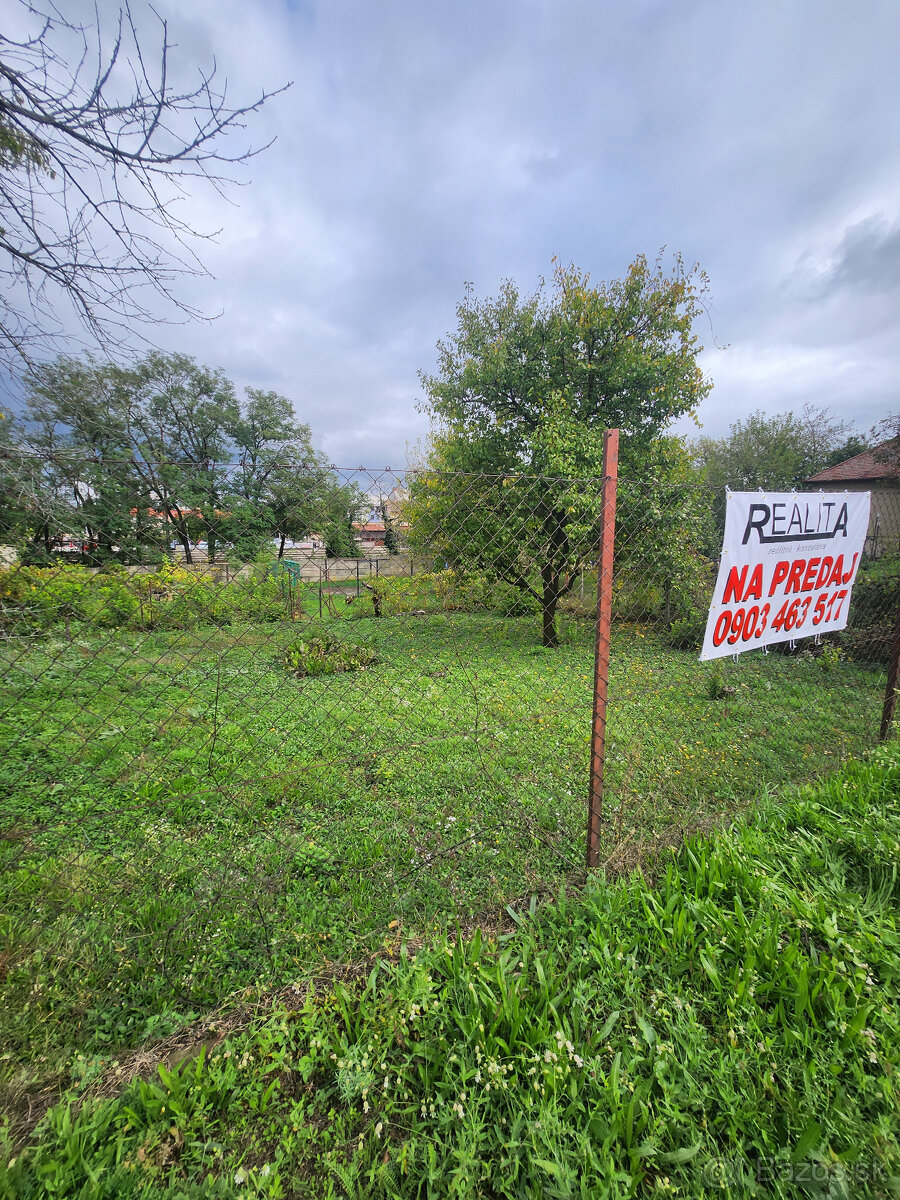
{"x": 728, "y": 1027}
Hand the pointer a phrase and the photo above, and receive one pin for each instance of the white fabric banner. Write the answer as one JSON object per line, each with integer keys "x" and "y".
{"x": 789, "y": 561}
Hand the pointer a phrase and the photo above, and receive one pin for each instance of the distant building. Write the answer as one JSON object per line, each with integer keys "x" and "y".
{"x": 370, "y": 534}
{"x": 876, "y": 471}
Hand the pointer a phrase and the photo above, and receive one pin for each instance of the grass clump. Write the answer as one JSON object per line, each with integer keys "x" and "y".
{"x": 730, "y": 1029}
{"x": 325, "y": 655}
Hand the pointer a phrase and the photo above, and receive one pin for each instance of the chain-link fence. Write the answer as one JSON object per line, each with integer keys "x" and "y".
{"x": 691, "y": 742}
{"x": 245, "y": 732}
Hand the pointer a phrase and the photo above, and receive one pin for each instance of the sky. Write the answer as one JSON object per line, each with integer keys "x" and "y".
{"x": 423, "y": 147}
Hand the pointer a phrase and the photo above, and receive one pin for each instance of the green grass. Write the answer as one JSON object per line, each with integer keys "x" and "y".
{"x": 729, "y": 1030}
{"x": 184, "y": 819}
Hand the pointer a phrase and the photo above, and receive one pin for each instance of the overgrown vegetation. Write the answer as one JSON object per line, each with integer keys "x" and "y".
{"x": 873, "y": 610}
{"x": 326, "y": 655}
{"x": 448, "y": 591}
{"x": 182, "y": 818}
{"x": 36, "y": 599}
{"x": 729, "y": 1028}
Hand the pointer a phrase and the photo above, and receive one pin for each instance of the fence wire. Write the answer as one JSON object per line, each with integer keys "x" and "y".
{"x": 245, "y": 733}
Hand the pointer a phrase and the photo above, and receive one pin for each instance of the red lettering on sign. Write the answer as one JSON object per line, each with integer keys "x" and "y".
{"x": 849, "y": 575}
{"x": 837, "y": 571}
{"x": 810, "y": 575}
{"x": 781, "y": 570}
{"x": 795, "y": 576}
{"x": 734, "y": 587}
{"x": 754, "y": 587}
{"x": 827, "y": 563}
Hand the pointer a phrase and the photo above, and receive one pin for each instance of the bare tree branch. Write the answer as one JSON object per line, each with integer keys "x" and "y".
{"x": 90, "y": 176}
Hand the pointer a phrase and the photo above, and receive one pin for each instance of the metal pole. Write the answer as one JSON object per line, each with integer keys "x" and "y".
{"x": 601, "y": 655}
{"x": 890, "y": 695}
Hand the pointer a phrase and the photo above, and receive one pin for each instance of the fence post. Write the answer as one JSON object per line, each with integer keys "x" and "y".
{"x": 890, "y": 695}
{"x": 601, "y": 649}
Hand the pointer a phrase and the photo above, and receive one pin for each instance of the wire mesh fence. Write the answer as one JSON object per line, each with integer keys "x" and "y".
{"x": 243, "y": 733}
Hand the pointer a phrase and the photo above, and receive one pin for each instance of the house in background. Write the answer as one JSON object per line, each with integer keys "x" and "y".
{"x": 876, "y": 471}
{"x": 370, "y": 534}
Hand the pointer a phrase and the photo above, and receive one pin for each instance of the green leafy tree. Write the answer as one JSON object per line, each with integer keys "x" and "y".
{"x": 134, "y": 457}
{"x": 523, "y": 392}
{"x": 77, "y": 424}
{"x": 391, "y": 542}
{"x": 777, "y": 452}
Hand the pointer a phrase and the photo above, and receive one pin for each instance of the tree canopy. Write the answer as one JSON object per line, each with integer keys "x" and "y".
{"x": 777, "y": 452}
{"x": 130, "y": 458}
{"x": 523, "y": 392}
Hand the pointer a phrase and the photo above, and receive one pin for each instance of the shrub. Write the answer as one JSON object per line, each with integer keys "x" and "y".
{"x": 686, "y": 631}
{"x": 873, "y": 611}
{"x": 38, "y": 598}
{"x": 325, "y": 655}
{"x": 180, "y": 599}
{"x": 34, "y": 598}
{"x": 449, "y": 591}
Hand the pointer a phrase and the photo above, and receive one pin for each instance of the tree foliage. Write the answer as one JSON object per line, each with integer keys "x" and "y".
{"x": 99, "y": 143}
{"x": 524, "y": 390}
{"x": 129, "y": 458}
{"x": 777, "y": 452}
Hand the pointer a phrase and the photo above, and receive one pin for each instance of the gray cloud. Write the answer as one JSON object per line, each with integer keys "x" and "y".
{"x": 868, "y": 257}
{"x": 425, "y": 145}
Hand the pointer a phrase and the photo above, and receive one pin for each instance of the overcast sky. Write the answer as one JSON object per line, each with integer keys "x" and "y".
{"x": 423, "y": 145}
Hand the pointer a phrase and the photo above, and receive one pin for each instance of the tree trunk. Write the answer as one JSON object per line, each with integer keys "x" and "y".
{"x": 281, "y": 546}
{"x": 550, "y": 579}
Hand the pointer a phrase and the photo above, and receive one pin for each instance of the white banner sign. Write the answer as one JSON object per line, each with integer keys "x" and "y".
{"x": 788, "y": 565}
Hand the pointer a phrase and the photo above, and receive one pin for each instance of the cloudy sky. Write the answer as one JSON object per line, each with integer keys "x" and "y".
{"x": 424, "y": 145}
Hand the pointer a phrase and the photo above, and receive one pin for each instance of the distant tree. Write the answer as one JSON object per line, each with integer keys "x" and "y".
{"x": 164, "y": 449}
{"x": 524, "y": 390}
{"x": 886, "y": 440}
{"x": 30, "y": 511}
{"x": 98, "y": 142}
{"x": 390, "y": 536}
{"x": 776, "y": 452}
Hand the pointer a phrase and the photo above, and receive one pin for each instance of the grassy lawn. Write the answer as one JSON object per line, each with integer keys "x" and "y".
{"x": 730, "y": 1029}
{"x": 184, "y": 819}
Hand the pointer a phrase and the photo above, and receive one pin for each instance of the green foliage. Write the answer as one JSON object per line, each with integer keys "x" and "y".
{"x": 732, "y": 1023}
{"x": 778, "y": 452}
{"x": 449, "y": 591}
{"x": 339, "y": 537}
{"x": 686, "y": 632}
{"x": 160, "y": 789}
{"x": 43, "y": 598}
{"x": 524, "y": 391}
{"x": 323, "y": 654}
{"x": 873, "y": 610}
{"x": 138, "y": 457}
{"x": 391, "y": 543}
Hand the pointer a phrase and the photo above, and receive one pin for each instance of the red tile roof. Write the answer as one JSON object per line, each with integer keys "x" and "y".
{"x": 868, "y": 465}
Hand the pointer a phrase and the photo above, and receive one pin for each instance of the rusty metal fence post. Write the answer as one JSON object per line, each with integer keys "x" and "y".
{"x": 601, "y": 653}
